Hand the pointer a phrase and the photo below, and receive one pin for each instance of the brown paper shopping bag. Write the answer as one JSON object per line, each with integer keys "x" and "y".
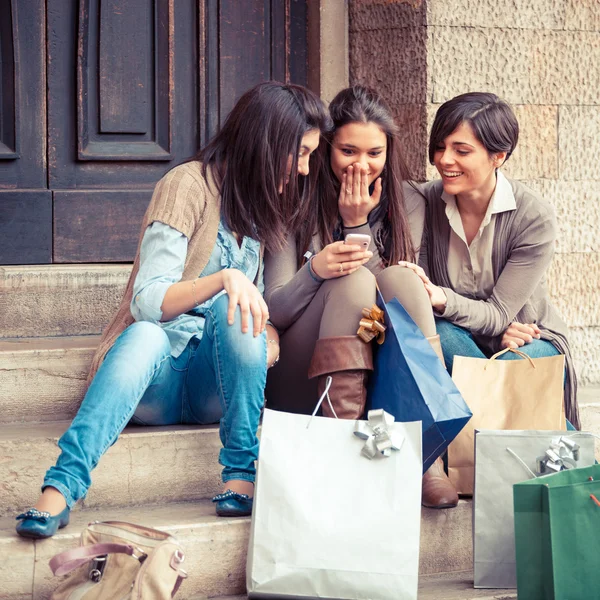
{"x": 504, "y": 394}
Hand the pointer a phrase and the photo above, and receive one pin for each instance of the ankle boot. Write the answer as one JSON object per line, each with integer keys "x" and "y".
{"x": 438, "y": 491}
{"x": 348, "y": 360}
{"x": 434, "y": 340}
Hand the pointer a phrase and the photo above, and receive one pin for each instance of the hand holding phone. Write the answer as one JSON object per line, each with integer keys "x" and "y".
{"x": 359, "y": 239}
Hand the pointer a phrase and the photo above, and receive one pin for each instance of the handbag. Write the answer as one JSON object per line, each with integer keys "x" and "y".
{"x": 337, "y": 509}
{"x": 411, "y": 383}
{"x": 504, "y": 394}
{"x": 120, "y": 560}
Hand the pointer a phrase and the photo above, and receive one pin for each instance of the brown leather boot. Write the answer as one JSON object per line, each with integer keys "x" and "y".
{"x": 348, "y": 360}
{"x": 438, "y": 491}
{"x": 434, "y": 340}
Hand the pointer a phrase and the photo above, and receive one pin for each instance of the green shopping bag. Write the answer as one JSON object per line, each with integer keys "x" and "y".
{"x": 557, "y": 520}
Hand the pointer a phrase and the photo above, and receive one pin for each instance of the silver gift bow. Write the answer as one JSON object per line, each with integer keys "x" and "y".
{"x": 562, "y": 454}
{"x": 379, "y": 441}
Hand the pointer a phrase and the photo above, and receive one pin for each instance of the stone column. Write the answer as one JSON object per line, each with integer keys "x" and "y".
{"x": 543, "y": 57}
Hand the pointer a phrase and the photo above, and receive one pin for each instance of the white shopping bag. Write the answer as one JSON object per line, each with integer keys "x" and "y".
{"x": 329, "y": 522}
{"x": 499, "y": 458}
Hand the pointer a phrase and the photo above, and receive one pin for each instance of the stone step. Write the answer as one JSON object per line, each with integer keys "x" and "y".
{"x": 147, "y": 465}
{"x": 215, "y": 548}
{"x": 43, "y": 379}
{"x": 55, "y": 300}
{"x": 47, "y": 377}
{"x": 441, "y": 586}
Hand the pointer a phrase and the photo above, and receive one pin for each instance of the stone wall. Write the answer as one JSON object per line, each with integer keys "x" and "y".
{"x": 542, "y": 56}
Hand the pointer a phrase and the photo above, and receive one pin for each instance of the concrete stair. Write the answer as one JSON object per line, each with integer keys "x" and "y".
{"x": 162, "y": 477}
{"x": 215, "y": 547}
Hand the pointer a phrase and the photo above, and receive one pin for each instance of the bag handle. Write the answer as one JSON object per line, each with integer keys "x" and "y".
{"x": 325, "y": 394}
{"x": 67, "y": 561}
{"x": 521, "y": 354}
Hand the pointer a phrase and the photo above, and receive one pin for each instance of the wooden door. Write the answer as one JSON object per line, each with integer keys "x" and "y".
{"x": 133, "y": 88}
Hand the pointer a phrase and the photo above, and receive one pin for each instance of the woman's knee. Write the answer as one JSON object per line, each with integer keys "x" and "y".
{"x": 246, "y": 346}
{"x": 401, "y": 282}
{"x": 143, "y": 338}
{"x": 358, "y": 288}
{"x": 405, "y": 285}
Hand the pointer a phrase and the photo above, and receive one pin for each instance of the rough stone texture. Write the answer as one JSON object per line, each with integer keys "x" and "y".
{"x": 216, "y": 547}
{"x": 582, "y": 15}
{"x": 585, "y": 345}
{"x": 486, "y": 14}
{"x": 412, "y": 123}
{"x": 376, "y": 15}
{"x": 59, "y": 300}
{"x": 446, "y": 539}
{"x": 17, "y": 559}
{"x": 579, "y": 141}
{"x": 184, "y": 459}
{"x": 577, "y": 205}
{"x": 400, "y": 72}
{"x": 522, "y": 66}
{"x": 573, "y": 284}
{"x": 536, "y": 155}
{"x": 43, "y": 379}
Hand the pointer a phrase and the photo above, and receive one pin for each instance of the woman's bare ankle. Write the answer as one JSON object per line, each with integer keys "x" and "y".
{"x": 239, "y": 486}
{"x": 51, "y": 501}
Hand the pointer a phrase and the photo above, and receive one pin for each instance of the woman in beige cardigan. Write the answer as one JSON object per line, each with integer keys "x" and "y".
{"x": 189, "y": 343}
{"x": 489, "y": 242}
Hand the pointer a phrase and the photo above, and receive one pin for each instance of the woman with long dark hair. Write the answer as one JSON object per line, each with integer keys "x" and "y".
{"x": 190, "y": 341}
{"x": 317, "y": 306}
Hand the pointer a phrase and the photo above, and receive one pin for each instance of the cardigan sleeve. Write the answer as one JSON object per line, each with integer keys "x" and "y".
{"x": 527, "y": 264}
{"x": 179, "y": 199}
{"x": 288, "y": 291}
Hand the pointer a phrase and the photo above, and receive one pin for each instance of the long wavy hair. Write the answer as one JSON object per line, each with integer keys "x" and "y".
{"x": 360, "y": 104}
{"x": 255, "y": 155}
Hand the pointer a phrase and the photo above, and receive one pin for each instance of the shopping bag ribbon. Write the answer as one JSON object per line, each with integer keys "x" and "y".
{"x": 379, "y": 441}
{"x": 371, "y": 325}
{"x": 562, "y": 454}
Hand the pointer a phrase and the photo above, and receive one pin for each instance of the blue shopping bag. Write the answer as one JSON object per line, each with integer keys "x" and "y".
{"x": 411, "y": 383}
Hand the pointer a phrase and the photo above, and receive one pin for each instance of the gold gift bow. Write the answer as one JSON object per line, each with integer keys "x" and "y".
{"x": 371, "y": 325}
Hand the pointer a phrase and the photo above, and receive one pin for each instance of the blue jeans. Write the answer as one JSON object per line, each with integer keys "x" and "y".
{"x": 220, "y": 377}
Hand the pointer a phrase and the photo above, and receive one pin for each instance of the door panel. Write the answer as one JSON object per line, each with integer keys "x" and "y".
{"x": 25, "y": 227}
{"x": 110, "y": 219}
{"x": 133, "y": 88}
{"x": 25, "y": 217}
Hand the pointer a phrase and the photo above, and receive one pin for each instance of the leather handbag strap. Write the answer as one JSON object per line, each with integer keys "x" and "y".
{"x": 67, "y": 561}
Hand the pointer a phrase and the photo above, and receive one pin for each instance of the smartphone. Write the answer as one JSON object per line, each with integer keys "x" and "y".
{"x": 360, "y": 239}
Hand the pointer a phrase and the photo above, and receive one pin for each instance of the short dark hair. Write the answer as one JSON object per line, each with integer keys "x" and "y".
{"x": 251, "y": 152}
{"x": 492, "y": 120}
{"x": 361, "y": 104}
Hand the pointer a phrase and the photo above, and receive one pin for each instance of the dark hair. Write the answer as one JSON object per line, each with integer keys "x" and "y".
{"x": 359, "y": 104}
{"x": 251, "y": 153}
{"x": 492, "y": 120}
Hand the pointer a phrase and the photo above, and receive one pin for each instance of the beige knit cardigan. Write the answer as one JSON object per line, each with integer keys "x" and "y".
{"x": 190, "y": 203}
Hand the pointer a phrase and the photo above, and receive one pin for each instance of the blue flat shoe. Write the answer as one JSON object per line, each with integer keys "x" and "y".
{"x": 37, "y": 524}
{"x": 232, "y": 504}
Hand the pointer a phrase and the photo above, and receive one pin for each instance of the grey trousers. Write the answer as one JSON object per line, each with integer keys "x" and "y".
{"x": 336, "y": 310}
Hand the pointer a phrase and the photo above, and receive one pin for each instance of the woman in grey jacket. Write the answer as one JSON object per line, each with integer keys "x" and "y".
{"x": 317, "y": 306}
{"x": 489, "y": 242}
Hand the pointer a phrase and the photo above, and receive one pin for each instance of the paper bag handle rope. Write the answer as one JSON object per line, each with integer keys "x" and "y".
{"x": 325, "y": 394}
{"x": 521, "y": 354}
